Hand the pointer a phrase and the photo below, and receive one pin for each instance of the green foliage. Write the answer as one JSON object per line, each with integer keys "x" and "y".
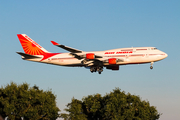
{"x": 75, "y": 108}
{"x": 18, "y": 101}
{"x": 113, "y": 106}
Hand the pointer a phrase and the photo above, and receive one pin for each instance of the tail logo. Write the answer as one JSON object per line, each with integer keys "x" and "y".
{"x": 30, "y": 46}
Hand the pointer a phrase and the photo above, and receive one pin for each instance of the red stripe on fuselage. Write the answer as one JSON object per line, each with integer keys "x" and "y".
{"x": 48, "y": 55}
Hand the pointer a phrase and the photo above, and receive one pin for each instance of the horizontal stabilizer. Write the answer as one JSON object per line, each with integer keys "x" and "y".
{"x": 27, "y": 56}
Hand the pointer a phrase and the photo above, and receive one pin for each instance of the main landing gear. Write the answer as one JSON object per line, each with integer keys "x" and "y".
{"x": 151, "y": 67}
{"x": 95, "y": 69}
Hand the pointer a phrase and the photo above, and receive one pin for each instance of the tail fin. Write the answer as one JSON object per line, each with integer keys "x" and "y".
{"x": 30, "y": 46}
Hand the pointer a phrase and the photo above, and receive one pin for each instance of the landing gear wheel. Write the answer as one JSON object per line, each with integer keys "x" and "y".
{"x": 92, "y": 69}
{"x": 100, "y": 69}
{"x": 151, "y": 67}
{"x": 96, "y": 69}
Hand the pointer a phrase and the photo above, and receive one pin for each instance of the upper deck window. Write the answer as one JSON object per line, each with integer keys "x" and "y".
{"x": 127, "y": 50}
{"x": 140, "y": 49}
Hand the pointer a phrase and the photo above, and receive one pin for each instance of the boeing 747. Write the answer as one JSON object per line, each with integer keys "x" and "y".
{"x": 95, "y": 60}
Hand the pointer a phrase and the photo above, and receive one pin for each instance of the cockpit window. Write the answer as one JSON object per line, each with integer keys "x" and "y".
{"x": 153, "y": 48}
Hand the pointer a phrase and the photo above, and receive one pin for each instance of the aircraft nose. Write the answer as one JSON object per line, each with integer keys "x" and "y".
{"x": 165, "y": 55}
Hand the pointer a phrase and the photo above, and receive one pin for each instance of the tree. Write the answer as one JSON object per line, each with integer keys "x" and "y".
{"x": 75, "y": 108}
{"x": 18, "y": 101}
{"x": 113, "y": 106}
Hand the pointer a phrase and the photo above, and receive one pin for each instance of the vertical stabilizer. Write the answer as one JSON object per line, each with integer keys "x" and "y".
{"x": 30, "y": 46}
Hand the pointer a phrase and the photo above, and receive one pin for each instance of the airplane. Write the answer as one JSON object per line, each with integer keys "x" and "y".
{"x": 94, "y": 60}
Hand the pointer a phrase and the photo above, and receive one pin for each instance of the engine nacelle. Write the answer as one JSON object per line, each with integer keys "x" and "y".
{"x": 90, "y": 56}
{"x": 112, "y": 61}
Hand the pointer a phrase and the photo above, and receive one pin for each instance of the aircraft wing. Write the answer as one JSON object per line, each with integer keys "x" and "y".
{"x": 74, "y": 52}
{"x": 67, "y": 48}
{"x": 76, "y": 56}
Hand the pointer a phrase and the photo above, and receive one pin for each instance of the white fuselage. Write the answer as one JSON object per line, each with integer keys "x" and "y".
{"x": 136, "y": 55}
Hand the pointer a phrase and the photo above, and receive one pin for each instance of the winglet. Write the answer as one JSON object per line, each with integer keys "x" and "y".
{"x": 54, "y": 43}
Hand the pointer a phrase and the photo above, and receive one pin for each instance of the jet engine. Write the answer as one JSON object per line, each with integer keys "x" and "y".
{"x": 112, "y": 61}
{"x": 90, "y": 56}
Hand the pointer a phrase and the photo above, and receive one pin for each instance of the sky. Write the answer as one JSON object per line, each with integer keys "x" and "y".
{"x": 95, "y": 26}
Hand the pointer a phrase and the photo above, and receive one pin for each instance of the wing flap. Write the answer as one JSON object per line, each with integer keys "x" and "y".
{"x": 76, "y": 56}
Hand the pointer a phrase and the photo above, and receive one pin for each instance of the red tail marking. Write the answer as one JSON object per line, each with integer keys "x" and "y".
{"x": 30, "y": 46}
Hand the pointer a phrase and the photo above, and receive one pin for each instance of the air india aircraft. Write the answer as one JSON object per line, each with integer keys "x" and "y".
{"x": 95, "y": 61}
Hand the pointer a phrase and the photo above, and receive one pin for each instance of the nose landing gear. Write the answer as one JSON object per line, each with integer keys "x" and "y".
{"x": 151, "y": 67}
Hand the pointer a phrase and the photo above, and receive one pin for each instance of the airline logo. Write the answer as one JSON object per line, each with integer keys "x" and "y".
{"x": 30, "y": 46}
{"x": 118, "y": 52}
{"x": 32, "y": 41}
